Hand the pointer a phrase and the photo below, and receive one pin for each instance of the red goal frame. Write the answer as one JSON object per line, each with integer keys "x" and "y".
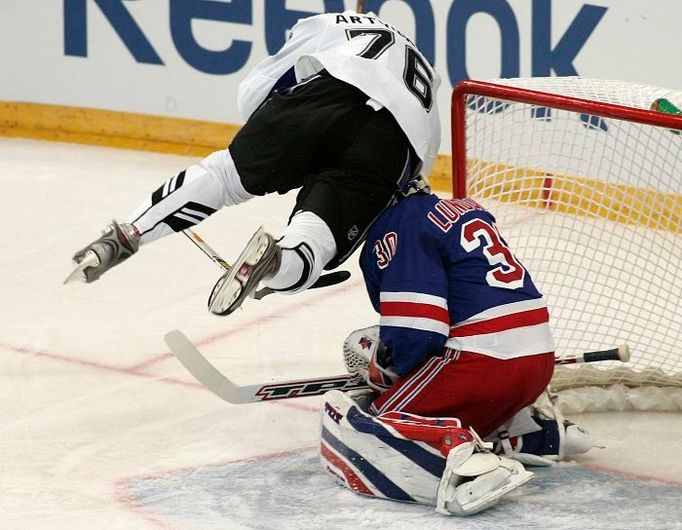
{"x": 521, "y": 95}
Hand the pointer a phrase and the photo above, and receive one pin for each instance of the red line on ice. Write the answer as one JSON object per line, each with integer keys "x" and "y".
{"x": 256, "y": 321}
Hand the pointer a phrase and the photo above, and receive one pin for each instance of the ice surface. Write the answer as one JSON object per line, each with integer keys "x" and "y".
{"x": 292, "y": 493}
{"x": 103, "y": 428}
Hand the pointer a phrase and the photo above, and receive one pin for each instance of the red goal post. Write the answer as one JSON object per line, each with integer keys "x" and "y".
{"x": 534, "y": 97}
{"x": 585, "y": 181}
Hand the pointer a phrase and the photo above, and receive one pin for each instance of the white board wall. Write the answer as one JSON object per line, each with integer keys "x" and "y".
{"x": 152, "y": 56}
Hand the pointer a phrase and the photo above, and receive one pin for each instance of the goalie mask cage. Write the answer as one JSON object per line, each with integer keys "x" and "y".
{"x": 585, "y": 182}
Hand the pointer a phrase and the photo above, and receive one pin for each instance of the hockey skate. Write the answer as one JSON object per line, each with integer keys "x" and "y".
{"x": 258, "y": 261}
{"x": 544, "y": 436}
{"x": 117, "y": 243}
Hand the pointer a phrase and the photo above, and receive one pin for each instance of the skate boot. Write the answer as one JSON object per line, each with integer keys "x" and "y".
{"x": 540, "y": 435}
{"x": 118, "y": 243}
{"x": 258, "y": 261}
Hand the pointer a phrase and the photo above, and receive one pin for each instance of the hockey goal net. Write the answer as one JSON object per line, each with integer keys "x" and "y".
{"x": 585, "y": 182}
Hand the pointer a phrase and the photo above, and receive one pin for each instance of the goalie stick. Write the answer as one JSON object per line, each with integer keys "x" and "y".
{"x": 621, "y": 353}
{"x": 209, "y": 376}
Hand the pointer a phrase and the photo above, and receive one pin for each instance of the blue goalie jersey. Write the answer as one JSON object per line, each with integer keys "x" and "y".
{"x": 441, "y": 276}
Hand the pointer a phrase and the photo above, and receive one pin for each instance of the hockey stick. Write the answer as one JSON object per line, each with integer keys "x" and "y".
{"x": 209, "y": 376}
{"x": 325, "y": 280}
{"x": 205, "y": 248}
{"x": 221, "y": 386}
{"x": 622, "y": 353}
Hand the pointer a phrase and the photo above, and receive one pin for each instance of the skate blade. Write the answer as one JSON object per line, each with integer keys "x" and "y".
{"x": 78, "y": 274}
{"x": 229, "y": 288}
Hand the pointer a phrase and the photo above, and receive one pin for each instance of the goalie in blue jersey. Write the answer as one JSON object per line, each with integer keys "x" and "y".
{"x": 462, "y": 350}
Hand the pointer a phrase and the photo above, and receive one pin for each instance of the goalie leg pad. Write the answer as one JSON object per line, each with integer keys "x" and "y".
{"x": 554, "y": 441}
{"x": 478, "y": 483}
{"x": 402, "y": 457}
{"x": 372, "y": 458}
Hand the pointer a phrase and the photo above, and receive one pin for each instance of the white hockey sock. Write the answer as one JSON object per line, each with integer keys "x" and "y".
{"x": 292, "y": 269}
{"x": 190, "y": 197}
{"x": 307, "y": 246}
{"x": 229, "y": 184}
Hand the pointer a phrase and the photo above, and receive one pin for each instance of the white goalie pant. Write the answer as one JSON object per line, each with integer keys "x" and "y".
{"x": 409, "y": 458}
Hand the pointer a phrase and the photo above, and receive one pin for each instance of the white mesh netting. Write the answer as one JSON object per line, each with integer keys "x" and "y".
{"x": 593, "y": 207}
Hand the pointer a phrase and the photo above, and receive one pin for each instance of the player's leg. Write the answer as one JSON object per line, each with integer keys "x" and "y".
{"x": 272, "y": 152}
{"x": 411, "y": 458}
{"x": 368, "y": 162}
{"x": 364, "y": 158}
{"x": 360, "y": 157}
{"x": 540, "y": 435}
{"x": 306, "y": 245}
{"x": 181, "y": 202}
{"x": 116, "y": 244}
{"x": 536, "y": 435}
{"x": 288, "y": 265}
{"x": 190, "y": 197}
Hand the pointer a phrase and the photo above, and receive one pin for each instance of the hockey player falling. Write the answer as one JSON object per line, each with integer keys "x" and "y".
{"x": 346, "y": 111}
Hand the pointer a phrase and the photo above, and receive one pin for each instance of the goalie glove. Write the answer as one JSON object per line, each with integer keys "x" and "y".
{"x": 366, "y": 356}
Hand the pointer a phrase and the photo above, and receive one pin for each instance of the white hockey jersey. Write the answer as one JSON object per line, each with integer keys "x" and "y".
{"x": 366, "y": 52}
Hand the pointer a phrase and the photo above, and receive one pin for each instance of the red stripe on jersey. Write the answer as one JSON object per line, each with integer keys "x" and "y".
{"x": 354, "y": 481}
{"x": 516, "y": 320}
{"x": 414, "y": 309}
